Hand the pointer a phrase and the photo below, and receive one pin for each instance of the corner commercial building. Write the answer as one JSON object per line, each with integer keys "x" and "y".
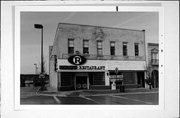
{"x": 103, "y": 49}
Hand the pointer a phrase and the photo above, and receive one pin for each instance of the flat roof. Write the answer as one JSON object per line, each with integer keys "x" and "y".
{"x": 100, "y": 26}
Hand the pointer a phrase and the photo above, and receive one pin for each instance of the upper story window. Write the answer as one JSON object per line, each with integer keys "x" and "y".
{"x": 154, "y": 57}
{"x": 125, "y": 49}
{"x": 85, "y": 46}
{"x": 112, "y": 48}
{"x": 136, "y": 49}
{"x": 70, "y": 46}
{"x": 99, "y": 47}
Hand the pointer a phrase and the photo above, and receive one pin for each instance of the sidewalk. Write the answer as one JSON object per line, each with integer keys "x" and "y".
{"x": 96, "y": 92}
{"x": 28, "y": 91}
{"x": 32, "y": 91}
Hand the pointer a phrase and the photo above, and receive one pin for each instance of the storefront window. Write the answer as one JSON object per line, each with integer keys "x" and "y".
{"x": 96, "y": 78}
{"x": 91, "y": 80}
{"x": 67, "y": 79}
{"x": 129, "y": 77}
{"x": 99, "y": 78}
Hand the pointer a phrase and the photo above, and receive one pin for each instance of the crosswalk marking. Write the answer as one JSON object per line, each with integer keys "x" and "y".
{"x": 88, "y": 99}
{"x": 56, "y": 99}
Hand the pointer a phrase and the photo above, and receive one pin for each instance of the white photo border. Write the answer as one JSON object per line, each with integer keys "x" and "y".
{"x": 19, "y": 9}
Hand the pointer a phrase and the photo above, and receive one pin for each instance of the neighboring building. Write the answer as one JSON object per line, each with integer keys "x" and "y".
{"x": 103, "y": 49}
{"x": 153, "y": 62}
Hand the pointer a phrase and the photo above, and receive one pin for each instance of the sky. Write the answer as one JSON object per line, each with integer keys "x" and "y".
{"x": 31, "y": 37}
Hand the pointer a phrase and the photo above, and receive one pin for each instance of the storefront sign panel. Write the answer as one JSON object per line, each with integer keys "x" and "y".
{"x": 106, "y": 64}
{"x": 65, "y": 67}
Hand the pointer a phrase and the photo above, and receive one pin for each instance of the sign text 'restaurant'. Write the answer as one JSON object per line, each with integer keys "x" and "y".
{"x": 82, "y": 67}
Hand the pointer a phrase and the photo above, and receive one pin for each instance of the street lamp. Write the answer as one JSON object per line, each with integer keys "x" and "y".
{"x": 40, "y": 26}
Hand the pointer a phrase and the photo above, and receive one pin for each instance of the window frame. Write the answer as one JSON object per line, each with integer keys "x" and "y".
{"x": 136, "y": 50}
{"x": 99, "y": 49}
{"x": 84, "y": 40}
{"x": 154, "y": 55}
{"x": 70, "y": 47}
{"x": 112, "y": 48}
{"x": 125, "y": 49}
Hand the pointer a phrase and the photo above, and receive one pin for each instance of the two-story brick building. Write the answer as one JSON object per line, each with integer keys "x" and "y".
{"x": 153, "y": 63}
{"x": 102, "y": 50}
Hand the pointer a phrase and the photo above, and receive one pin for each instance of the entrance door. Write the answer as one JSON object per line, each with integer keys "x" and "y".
{"x": 155, "y": 78}
{"x": 81, "y": 82}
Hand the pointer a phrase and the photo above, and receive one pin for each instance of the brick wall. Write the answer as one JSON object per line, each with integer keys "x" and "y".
{"x": 94, "y": 33}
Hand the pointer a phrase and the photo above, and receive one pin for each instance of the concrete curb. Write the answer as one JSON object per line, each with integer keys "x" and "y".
{"x": 88, "y": 93}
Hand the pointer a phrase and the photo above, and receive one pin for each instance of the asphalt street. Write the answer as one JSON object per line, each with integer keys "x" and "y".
{"x": 136, "y": 98}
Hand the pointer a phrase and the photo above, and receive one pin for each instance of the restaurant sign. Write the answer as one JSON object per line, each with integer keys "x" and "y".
{"x": 82, "y": 67}
{"x": 77, "y": 60}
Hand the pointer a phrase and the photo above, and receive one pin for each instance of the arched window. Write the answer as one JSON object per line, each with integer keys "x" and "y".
{"x": 154, "y": 56}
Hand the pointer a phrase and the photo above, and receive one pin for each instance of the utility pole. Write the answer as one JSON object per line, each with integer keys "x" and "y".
{"x": 41, "y": 76}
